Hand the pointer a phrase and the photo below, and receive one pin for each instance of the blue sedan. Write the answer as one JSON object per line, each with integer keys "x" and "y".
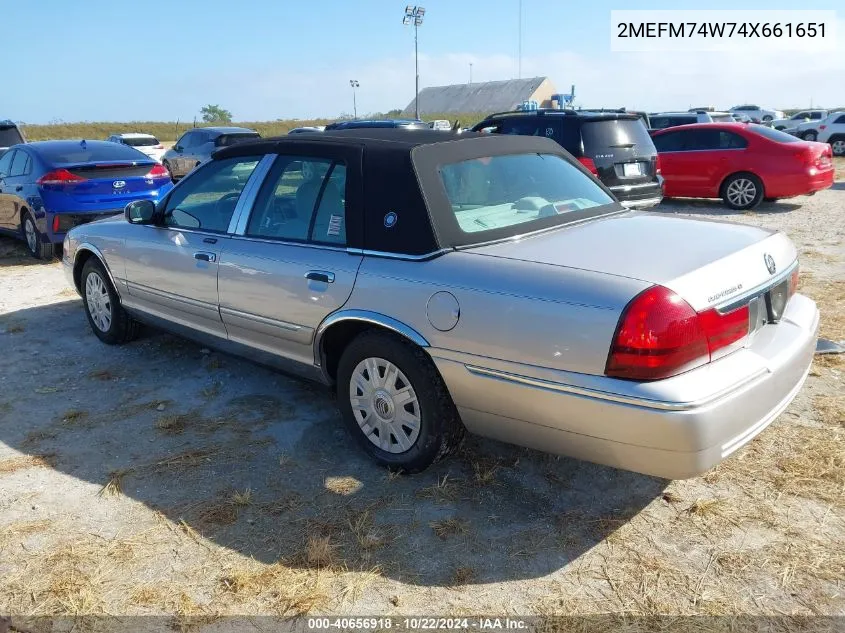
{"x": 48, "y": 187}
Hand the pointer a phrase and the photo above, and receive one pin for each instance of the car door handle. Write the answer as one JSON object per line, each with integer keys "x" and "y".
{"x": 205, "y": 257}
{"x": 320, "y": 275}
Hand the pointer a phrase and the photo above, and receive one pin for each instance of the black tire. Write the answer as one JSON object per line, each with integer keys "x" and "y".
{"x": 768, "y": 118}
{"x": 743, "y": 181}
{"x": 166, "y": 165}
{"x": 809, "y": 135}
{"x": 440, "y": 426}
{"x": 121, "y": 327}
{"x": 38, "y": 247}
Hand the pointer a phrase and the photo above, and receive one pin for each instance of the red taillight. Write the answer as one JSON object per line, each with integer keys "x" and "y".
{"x": 59, "y": 177}
{"x": 657, "y": 168}
{"x": 55, "y": 224}
{"x": 589, "y": 164}
{"x": 158, "y": 171}
{"x": 660, "y": 335}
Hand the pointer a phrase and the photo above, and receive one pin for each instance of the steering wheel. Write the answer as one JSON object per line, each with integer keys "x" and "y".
{"x": 223, "y": 208}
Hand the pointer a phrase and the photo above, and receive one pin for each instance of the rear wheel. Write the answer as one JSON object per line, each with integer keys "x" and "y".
{"x": 107, "y": 318}
{"x": 36, "y": 243}
{"x": 810, "y": 135}
{"x": 838, "y": 146}
{"x": 742, "y": 191}
{"x": 395, "y": 403}
{"x": 768, "y": 117}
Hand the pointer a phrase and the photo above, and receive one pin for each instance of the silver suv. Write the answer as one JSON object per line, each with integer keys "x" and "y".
{"x": 10, "y": 134}
{"x": 195, "y": 147}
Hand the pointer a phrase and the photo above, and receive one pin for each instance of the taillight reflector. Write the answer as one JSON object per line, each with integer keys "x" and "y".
{"x": 59, "y": 177}
{"x": 55, "y": 224}
{"x": 589, "y": 164}
{"x": 657, "y": 168}
{"x": 660, "y": 335}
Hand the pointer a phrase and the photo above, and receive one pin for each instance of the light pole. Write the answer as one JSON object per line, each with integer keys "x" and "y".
{"x": 354, "y": 83}
{"x": 470, "y": 72}
{"x": 520, "y": 41}
{"x": 414, "y": 15}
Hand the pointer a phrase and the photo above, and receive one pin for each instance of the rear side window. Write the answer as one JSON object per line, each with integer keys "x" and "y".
{"x": 224, "y": 140}
{"x": 774, "y": 135}
{"x": 90, "y": 152}
{"x": 730, "y": 140}
{"x": 841, "y": 119}
{"x": 669, "y": 142}
{"x": 6, "y": 162}
{"x": 616, "y": 134}
{"x": 20, "y": 165}
{"x": 497, "y": 192}
{"x": 533, "y": 126}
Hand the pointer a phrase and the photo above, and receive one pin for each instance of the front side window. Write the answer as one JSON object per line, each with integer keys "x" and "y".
{"x": 815, "y": 116}
{"x": 207, "y": 200}
{"x": 840, "y": 120}
{"x": 496, "y": 192}
{"x": 303, "y": 200}
{"x": 729, "y": 140}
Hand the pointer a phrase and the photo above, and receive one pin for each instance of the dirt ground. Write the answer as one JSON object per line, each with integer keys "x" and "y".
{"x": 164, "y": 478}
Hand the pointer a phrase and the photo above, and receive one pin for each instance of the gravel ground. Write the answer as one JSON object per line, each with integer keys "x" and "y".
{"x": 164, "y": 478}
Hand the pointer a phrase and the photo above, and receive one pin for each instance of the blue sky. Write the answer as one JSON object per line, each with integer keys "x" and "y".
{"x": 266, "y": 59}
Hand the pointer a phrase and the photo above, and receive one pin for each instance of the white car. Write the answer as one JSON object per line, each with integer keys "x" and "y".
{"x": 799, "y": 118}
{"x": 440, "y": 124}
{"x": 721, "y": 117}
{"x": 758, "y": 114}
{"x": 832, "y": 130}
{"x": 661, "y": 120}
{"x": 146, "y": 143}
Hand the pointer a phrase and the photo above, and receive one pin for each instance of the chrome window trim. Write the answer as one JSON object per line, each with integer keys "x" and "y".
{"x": 284, "y": 242}
{"x": 389, "y": 255}
{"x": 737, "y": 302}
{"x": 643, "y": 185}
{"x": 596, "y": 394}
{"x": 237, "y": 225}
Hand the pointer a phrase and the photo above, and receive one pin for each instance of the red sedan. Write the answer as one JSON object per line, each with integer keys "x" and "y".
{"x": 740, "y": 163}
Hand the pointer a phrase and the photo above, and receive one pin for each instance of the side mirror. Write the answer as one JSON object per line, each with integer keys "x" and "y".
{"x": 177, "y": 148}
{"x": 140, "y": 212}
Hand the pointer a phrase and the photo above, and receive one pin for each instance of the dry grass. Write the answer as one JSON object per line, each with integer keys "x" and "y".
{"x": 185, "y": 460}
{"x": 241, "y": 498}
{"x": 444, "y": 490}
{"x": 114, "y": 485}
{"x": 34, "y": 438}
{"x": 74, "y": 416}
{"x": 275, "y": 588}
{"x": 14, "y": 464}
{"x": 320, "y": 551}
{"x": 344, "y": 486}
{"x": 814, "y": 468}
{"x": 830, "y": 409}
{"x": 447, "y": 528}
{"x": 15, "y": 328}
{"x": 462, "y": 576}
{"x": 103, "y": 374}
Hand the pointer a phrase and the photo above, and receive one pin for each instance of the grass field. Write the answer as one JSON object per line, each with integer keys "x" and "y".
{"x": 171, "y": 130}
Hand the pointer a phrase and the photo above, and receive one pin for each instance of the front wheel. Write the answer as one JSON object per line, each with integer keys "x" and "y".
{"x": 742, "y": 191}
{"x": 838, "y": 146}
{"x": 395, "y": 403}
{"x": 107, "y": 318}
{"x": 36, "y": 243}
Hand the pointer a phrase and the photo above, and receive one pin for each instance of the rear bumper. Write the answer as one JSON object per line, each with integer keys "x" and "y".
{"x": 67, "y": 220}
{"x": 802, "y": 183}
{"x": 639, "y": 196}
{"x": 674, "y": 428}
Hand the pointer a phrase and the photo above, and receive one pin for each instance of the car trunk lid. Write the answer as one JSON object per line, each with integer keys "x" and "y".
{"x": 621, "y": 150}
{"x": 706, "y": 262}
{"x": 95, "y": 183}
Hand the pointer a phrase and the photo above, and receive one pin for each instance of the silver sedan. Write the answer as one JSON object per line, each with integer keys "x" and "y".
{"x": 443, "y": 283}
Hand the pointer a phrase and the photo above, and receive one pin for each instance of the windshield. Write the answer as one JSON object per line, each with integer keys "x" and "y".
{"x": 495, "y": 192}
{"x": 140, "y": 141}
{"x": 9, "y": 136}
{"x": 774, "y": 135}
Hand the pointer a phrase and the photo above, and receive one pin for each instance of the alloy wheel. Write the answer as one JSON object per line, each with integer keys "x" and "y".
{"x": 810, "y": 136}
{"x": 30, "y": 234}
{"x": 385, "y": 405}
{"x": 838, "y": 147}
{"x": 741, "y": 192}
{"x": 98, "y": 300}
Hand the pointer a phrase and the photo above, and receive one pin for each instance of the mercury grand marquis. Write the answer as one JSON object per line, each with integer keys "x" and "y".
{"x": 444, "y": 283}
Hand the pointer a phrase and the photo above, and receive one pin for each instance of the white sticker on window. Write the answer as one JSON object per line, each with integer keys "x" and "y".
{"x": 335, "y": 223}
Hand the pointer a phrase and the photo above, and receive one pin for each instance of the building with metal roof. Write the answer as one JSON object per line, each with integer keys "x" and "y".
{"x": 487, "y": 96}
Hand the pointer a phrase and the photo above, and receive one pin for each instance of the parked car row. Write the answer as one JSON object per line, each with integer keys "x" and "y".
{"x": 442, "y": 283}
{"x": 829, "y": 130}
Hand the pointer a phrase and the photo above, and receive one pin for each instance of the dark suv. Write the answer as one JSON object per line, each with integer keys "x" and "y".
{"x": 10, "y": 134}
{"x": 614, "y": 146}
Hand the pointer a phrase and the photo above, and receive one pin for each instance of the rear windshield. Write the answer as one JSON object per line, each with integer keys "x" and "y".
{"x": 496, "y": 192}
{"x": 774, "y": 135}
{"x": 722, "y": 118}
{"x": 90, "y": 152}
{"x": 9, "y": 136}
{"x": 224, "y": 140}
{"x": 140, "y": 141}
{"x": 617, "y": 133}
